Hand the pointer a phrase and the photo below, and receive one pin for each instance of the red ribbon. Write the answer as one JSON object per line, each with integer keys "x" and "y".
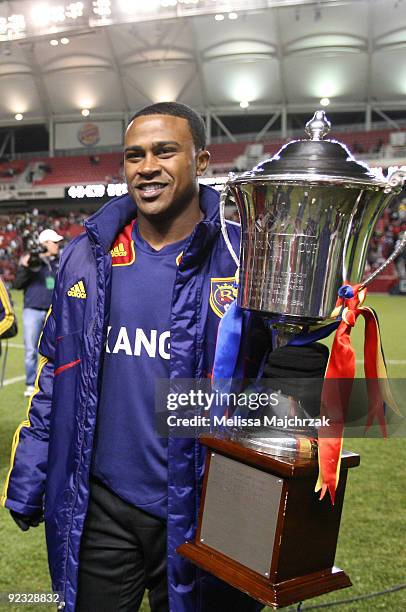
{"x": 336, "y": 395}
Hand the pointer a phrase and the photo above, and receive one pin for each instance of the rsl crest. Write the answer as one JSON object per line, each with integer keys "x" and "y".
{"x": 223, "y": 291}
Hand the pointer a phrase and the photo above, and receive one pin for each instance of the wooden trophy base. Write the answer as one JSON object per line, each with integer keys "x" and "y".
{"x": 262, "y": 528}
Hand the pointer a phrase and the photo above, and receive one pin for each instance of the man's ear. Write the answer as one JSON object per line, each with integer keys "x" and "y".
{"x": 202, "y": 161}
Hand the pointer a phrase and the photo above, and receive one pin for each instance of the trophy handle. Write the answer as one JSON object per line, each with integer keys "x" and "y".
{"x": 223, "y": 199}
{"x": 395, "y": 180}
{"x": 386, "y": 263}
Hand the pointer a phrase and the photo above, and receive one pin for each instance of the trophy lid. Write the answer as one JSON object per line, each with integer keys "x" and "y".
{"x": 313, "y": 158}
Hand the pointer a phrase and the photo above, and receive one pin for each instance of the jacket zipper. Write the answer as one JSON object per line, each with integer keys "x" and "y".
{"x": 82, "y": 420}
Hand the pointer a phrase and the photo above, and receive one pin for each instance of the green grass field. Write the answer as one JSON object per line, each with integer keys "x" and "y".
{"x": 372, "y": 543}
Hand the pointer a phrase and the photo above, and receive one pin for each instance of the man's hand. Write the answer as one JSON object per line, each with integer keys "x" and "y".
{"x": 25, "y": 260}
{"x": 299, "y": 371}
{"x": 25, "y": 522}
{"x": 308, "y": 361}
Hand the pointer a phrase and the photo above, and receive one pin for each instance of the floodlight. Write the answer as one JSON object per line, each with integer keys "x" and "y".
{"x": 57, "y": 14}
{"x": 233, "y": 16}
{"x": 102, "y": 8}
{"x": 219, "y": 17}
{"x": 18, "y": 116}
{"x": 53, "y": 42}
{"x": 85, "y": 112}
{"x": 41, "y": 14}
{"x": 243, "y": 88}
{"x": 16, "y": 25}
{"x": 325, "y": 101}
{"x": 74, "y": 10}
{"x": 13, "y": 26}
{"x": 65, "y": 41}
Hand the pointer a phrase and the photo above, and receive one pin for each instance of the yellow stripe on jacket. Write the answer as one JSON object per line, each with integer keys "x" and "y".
{"x": 26, "y": 423}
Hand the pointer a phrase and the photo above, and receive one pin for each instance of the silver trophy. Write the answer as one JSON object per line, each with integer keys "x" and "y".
{"x": 307, "y": 216}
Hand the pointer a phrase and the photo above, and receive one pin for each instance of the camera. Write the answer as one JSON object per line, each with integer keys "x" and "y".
{"x": 34, "y": 249}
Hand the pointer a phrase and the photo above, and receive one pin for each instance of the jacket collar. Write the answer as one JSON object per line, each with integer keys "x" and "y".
{"x": 109, "y": 220}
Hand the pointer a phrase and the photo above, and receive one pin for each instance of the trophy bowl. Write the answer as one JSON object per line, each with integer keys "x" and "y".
{"x": 307, "y": 216}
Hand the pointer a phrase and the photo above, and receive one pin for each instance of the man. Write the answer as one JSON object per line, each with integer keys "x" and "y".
{"x": 132, "y": 304}
{"x": 36, "y": 275}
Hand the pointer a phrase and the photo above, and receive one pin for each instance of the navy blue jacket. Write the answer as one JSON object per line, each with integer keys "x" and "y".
{"x": 52, "y": 449}
{"x": 36, "y": 293}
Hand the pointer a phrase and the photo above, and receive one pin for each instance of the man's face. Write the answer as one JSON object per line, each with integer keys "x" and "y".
{"x": 51, "y": 247}
{"x": 161, "y": 164}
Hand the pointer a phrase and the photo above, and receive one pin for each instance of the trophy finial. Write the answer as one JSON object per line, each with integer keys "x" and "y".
{"x": 318, "y": 126}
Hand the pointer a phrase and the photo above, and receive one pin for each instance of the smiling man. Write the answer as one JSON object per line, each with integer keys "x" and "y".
{"x": 133, "y": 303}
{"x": 161, "y": 175}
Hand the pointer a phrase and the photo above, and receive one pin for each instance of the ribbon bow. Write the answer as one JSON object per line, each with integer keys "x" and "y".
{"x": 336, "y": 395}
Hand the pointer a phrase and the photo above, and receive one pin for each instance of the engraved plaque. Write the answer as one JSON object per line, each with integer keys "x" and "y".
{"x": 241, "y": 512}
{"x": 300, "y": 241}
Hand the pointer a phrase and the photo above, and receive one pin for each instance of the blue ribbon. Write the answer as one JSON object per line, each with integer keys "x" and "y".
{"x": 227, "y": 366}
{"x": 228, "y": 346}
{"x": 307, "y": 337}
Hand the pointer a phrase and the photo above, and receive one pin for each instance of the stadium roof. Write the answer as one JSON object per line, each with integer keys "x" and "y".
{"x": 270, "y": 55}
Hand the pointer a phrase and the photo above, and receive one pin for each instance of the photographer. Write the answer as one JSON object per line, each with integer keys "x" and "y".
{"x": 36, "y": 275}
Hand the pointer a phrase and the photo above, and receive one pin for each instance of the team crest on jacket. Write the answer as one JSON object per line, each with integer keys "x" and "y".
{"x": 122, "y": 251}
{"x": 222, "y": 293}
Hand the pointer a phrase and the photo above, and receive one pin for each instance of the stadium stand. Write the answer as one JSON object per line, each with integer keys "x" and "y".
{"x": 11, "y": 170}
{"x": 108, "y": 167}
{"x": 375, "y": 143}
{"x": 103, "y": 168}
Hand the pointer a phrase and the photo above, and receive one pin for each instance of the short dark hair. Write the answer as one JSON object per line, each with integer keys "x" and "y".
{"x": 176, "y": 109}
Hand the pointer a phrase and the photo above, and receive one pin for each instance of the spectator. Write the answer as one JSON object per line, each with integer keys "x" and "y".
{"x": 36, "y": 275}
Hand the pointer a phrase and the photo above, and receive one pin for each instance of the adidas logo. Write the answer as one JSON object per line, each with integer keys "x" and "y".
{"x": 78, "y": 290}
{"x": 118, "y": 251}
